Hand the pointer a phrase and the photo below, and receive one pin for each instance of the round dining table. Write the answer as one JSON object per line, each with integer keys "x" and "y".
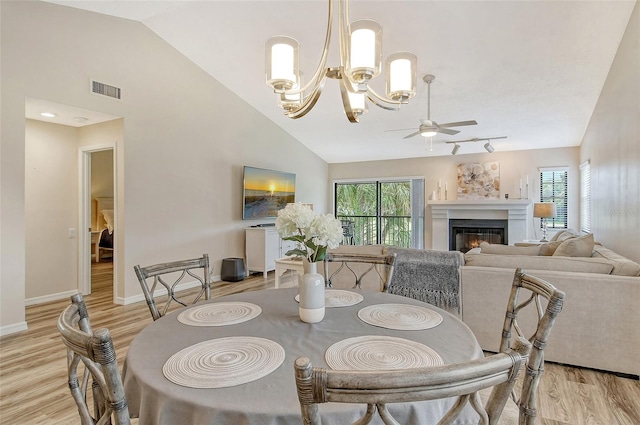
{"x": 272, "y": 399}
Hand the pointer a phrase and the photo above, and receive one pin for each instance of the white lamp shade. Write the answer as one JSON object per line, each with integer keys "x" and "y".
{"x": 401, "y": 76}
{"x": 544, "y": 210}
{"x": 365, "y": 50}
{"x": 357, "y": 102}
{"x": 282, "y": 63}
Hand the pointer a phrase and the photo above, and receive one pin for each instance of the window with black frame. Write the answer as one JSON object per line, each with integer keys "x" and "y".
{"x": 554, "y": 188}
{"x": 381, "y": 212}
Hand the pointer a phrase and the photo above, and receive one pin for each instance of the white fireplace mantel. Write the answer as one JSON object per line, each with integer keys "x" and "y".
{"x": 516, "y": 211}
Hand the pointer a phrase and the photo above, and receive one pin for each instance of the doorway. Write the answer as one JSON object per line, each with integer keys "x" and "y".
{"x": 97, "y": 257}
{"x": 102, "y": 195}
{"x": 56, "y": 135}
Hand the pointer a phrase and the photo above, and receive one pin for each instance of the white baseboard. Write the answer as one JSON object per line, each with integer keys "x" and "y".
{"x": 50, "y": 297}
{"x": 13, "y": 328}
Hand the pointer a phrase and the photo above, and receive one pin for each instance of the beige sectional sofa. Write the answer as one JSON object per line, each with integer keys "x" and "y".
{"x": 599, "y": 326}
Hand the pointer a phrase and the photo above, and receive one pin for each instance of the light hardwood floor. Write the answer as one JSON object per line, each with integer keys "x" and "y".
{"x": 33, "y": 386}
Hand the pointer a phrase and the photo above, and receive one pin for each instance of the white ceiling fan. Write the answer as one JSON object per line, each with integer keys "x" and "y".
{"x": 430, "y": 128}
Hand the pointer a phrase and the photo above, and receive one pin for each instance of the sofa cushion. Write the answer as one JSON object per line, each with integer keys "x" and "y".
{"x": 538, "y": 262}
{"x": 549, "y": 248}
{"x": 564, "y": 235}
{"x": 621, "y": 266}
{"x": 500, "y": 249}
{"x": 580, "y": 246}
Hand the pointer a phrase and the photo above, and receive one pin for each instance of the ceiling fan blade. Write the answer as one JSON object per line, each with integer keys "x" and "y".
{"x": 458, "y": 124}
{"x": 447, "y": 131}
{"x": 401, "y": 129}
{"x": 412, "y": 134}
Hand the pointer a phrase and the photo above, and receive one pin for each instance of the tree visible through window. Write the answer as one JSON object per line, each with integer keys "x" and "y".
{"x": 553, "y": 188}
{"x": 380, "y": 212}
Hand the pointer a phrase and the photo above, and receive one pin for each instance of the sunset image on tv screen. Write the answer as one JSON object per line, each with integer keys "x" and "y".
{"x": 266, "y": 192}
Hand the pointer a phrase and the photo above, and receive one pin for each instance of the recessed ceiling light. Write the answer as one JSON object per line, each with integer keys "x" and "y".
{"x": 49, "y": 114}
{"x": 81, "y": 119}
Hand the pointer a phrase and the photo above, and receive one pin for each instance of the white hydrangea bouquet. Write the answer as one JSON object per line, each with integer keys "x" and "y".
{"x": 313, "y": 232}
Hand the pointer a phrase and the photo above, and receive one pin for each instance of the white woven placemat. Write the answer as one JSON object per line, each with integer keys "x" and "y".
{"x": 403, "y": 317}
{"x": 224, "y": 362}
{"x": 339, "y": 298}
{"x": 378, "y": 352}
{"x": 219, "y": 314}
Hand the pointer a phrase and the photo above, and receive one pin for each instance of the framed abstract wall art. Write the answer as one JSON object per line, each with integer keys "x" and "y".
{"x": 479, "y": 180}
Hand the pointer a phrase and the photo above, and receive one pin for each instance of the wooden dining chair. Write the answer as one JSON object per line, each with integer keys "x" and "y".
{"x": 168, "y": 276}
{"x": 90, "y": 354}
{"x": 429, "y": 276}
{"x": 359, "y": 266}
{"x": 377, "y": 389}
{"x": 541, "y": 322}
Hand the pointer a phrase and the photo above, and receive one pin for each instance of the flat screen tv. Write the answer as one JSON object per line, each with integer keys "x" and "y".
{"x": 265, "y": 192}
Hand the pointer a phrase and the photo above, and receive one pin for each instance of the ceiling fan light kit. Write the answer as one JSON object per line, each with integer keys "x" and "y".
{"x": 360, "y": 62}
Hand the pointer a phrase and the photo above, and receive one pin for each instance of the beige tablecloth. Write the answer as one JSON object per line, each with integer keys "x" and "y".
{"x": 272, "y": 400}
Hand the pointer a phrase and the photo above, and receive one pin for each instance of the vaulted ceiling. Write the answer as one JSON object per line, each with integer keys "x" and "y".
{"x": 528, "y": 70}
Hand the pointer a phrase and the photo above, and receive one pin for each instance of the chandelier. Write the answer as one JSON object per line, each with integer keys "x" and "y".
{"x": 360, "y": 62}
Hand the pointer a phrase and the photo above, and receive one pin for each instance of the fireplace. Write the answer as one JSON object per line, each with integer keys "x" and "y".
{"x": 516, "y": 212}
{"x": 466, "y": 234}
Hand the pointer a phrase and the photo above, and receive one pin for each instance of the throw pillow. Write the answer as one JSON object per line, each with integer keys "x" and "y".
{"x": 549, "y": 248}
{"x": 563, "y": 235}
{"x": 581, "y": 246}
{"x": 488, "y": 248}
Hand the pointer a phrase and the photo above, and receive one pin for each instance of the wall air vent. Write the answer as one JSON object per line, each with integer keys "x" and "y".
{"x": 106, "y": 89}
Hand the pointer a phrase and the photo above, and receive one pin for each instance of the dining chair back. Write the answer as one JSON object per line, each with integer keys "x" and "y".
{"x": 168, "y": 276}
{"x": 376, "y": 389}
{"x": 430, "y": 276}
{"x": 537, "y": 292}
{"x": 90, "y": 354}
{"x": 359, "y": 266}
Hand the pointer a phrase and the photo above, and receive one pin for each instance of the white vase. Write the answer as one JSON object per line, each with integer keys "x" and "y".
{"x": 311, "y": 306}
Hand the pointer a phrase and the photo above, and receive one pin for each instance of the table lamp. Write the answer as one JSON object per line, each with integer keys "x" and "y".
{"x": 544, "y": 210}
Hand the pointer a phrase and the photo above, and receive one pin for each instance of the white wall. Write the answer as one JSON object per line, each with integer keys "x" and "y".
{"x": 513, "y": 167}
{"x": 612, "y": 145}
{"x": 179, "y": 164}
{"x": 51, "y": 199}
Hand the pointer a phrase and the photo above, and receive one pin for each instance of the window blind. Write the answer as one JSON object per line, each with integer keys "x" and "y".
{"x": 553, "y": 188}
{"x": 585, "y": 197}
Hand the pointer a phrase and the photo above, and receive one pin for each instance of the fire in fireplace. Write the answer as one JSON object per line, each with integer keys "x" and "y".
{"x": 466, "y": 234}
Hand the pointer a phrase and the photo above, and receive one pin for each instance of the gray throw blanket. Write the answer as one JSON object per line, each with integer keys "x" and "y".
{"x": 429, "y": 276}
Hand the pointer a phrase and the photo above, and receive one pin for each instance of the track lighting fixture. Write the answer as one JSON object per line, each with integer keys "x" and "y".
{"x": 487, "y": 145}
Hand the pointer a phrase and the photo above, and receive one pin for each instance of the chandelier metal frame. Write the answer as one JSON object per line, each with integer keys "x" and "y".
{"x": 352, "y": 81}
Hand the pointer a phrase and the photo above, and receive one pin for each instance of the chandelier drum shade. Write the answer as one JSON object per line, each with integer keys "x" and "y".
{"x": 360, "y": 62}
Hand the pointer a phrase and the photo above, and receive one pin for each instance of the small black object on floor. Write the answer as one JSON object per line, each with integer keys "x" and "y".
{"x": 233, "y": 270}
